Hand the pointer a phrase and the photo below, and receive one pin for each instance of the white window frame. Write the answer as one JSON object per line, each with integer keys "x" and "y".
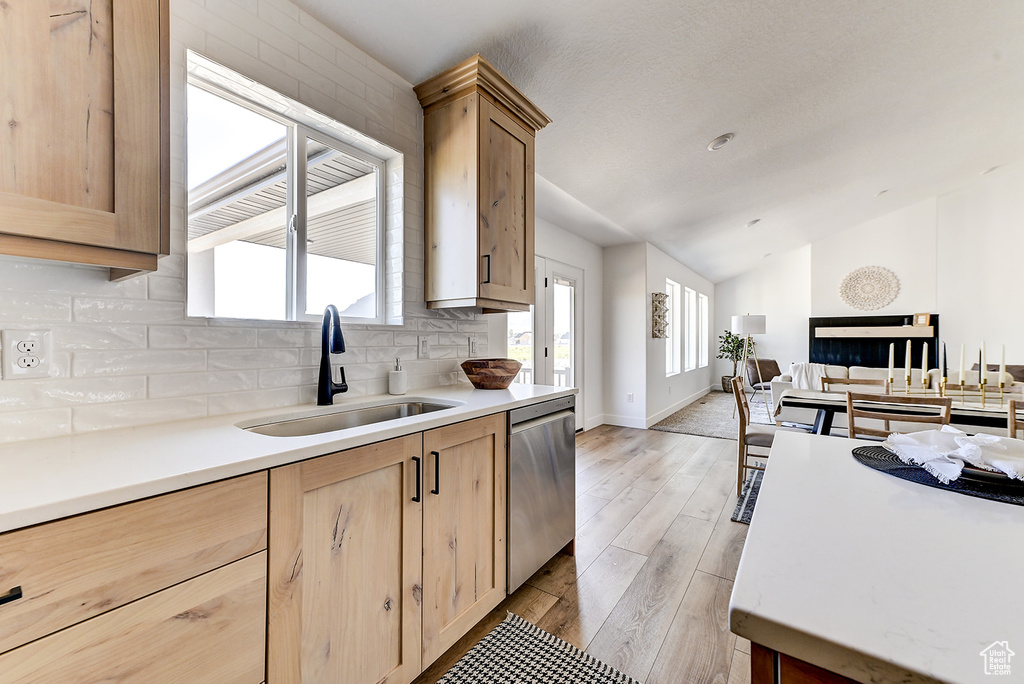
{"x": 304, "y": 123}
{"x": 674, "y": 342}
{"x": 702, "y": 330}
{"x": 690, "y": 335}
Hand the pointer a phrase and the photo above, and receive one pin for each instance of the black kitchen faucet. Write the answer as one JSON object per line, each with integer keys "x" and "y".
{"x": 332, "y": 342}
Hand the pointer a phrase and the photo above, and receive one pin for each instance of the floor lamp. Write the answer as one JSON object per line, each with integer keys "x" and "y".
{"x": 746, "y": 326}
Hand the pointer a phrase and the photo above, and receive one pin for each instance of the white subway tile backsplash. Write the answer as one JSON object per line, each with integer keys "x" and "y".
{"x": 186, "y": 384}
{"x": 199, "y": 337}
{"x": 34, "y": 424}
{"x": 126, "y": 354}
{"x": 46, "y": 393}
{"x": 224, "y": 359}
{"x": 90, "y": 364}
{"x": 129, "y": 414}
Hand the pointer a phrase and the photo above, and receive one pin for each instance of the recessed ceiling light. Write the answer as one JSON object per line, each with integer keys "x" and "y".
{"x": 766, "y": 255}
{"x": 880, "y": 193}
{"x": 720, "y": 142}
{"x": 752, "y": 223}
{"x": 984, "y": 173}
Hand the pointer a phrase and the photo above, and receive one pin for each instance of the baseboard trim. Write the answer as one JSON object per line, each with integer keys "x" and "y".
{"x": 661, "y": 415}
{"x": 625, "y": 421}
{"x": 591, "y": 422}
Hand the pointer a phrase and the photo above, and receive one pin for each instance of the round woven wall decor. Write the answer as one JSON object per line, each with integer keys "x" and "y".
{"x": 869, "y": 288}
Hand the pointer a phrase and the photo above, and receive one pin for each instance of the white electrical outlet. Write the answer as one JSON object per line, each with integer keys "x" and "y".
{"x": 472, "y": 346}
{"x": 629, "y": 397}
{"x": 424, "y": 351}
{"x": 26, "y": 354}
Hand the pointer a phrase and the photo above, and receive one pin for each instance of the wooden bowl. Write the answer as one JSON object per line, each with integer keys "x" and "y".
{"x": 491, "y": 373}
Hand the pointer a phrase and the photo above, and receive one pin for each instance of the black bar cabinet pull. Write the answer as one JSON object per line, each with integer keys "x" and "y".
{"x": 437, "y": 472}
{"x": 488, "y": 278}
{"x": 417, "y": 497}
{"x": 13, "y": 595}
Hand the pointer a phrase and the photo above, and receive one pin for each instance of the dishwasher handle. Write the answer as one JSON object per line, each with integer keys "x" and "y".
{"x": 543, "y": 420}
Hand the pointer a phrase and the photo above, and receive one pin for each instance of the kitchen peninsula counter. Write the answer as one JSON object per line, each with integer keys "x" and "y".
{"x": 877, "y": 578}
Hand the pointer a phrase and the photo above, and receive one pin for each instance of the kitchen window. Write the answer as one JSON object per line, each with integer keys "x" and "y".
{"x": 286, "y": 207}
{"x": 692, "y": 317}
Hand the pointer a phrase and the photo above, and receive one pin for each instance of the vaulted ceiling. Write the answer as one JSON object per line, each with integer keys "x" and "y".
{"x": 842, "y": 111}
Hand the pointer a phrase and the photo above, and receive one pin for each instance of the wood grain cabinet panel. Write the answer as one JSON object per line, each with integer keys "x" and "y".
{"x": 479, "y": 134}
{"x": 345, "y": 547}
{"x": 209, "y": 629}
{"x": 80, "y": 567}
{"x": 84, "y": 148}
{"x": 463, "y": 528}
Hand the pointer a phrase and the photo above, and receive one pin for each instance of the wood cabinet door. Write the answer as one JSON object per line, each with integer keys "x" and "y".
{"x": 83, "y": 155}
{"x": 463, "y": 528}
{"x": 345, "y": 558}
{"x": 506, "y": 207}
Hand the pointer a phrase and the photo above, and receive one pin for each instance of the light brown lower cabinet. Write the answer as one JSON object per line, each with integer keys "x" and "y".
{"x": 208, "y": 629}
{"x": 768, "y": 666}
{"x": 382, "y": 556}
{"x": 463, "y": 529}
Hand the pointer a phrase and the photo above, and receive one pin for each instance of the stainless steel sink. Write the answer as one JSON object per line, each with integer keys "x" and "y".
{"x": 347, "y": 418}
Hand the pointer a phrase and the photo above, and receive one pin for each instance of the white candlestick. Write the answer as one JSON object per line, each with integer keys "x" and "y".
{"x": 892, "y": 359}
{"x": 924, "y": 363}
{"x": 942, "y": 362}
{"x": 963, "y": 349}
{"x": 908, "y": 359}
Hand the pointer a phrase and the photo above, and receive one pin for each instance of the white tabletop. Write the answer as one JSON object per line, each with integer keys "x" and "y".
{"x": 874, "y": 577}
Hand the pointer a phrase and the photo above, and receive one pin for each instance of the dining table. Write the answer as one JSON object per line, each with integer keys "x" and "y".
{"x": 963, "y": 414}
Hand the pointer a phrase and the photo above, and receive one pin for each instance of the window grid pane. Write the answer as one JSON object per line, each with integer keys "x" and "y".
{"x": 673, "y": 343}
{"x": 702, "y": 303}
{"x": 691, "y": 330}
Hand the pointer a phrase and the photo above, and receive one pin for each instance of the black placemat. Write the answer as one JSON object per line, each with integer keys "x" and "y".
{"x": 885, "y": 461}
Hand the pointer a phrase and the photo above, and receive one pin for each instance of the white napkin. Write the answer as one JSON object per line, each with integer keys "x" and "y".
{"x": 943, "y": 452}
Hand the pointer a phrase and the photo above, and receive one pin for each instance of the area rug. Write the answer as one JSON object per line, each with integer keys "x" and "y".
{"x": 745, "y": 505}
{"x": 712, "y": 416}
{"x": 518, "y": 652}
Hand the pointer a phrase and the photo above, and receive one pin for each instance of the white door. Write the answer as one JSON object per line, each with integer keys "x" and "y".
{"x": 548, "y": 339}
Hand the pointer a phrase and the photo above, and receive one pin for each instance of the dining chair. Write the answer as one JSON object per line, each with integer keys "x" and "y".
{"x": 873, "y": 382}
{"x": 897, "y": 408}
{"x": 1014, "y": 421}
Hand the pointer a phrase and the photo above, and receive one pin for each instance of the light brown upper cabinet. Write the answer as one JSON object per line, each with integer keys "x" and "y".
{"x": 479, "y": 136}
{"x": 84, "y": 152}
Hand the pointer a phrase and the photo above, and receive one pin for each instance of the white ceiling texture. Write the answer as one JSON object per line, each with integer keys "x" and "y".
{"x": 831, "y": 103}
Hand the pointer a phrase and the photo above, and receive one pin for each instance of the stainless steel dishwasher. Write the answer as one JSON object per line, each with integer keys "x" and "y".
{"x": 541, "y": 485}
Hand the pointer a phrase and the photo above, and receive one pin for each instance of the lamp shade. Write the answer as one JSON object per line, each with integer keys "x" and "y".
{"x": 748, "y": 325}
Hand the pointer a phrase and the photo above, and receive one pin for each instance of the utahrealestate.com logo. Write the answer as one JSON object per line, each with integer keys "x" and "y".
{"x": 997, "y": 658}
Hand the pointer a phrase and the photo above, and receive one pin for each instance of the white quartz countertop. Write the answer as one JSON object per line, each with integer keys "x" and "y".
{"x": 877, "y": 578}
{"x": 46, "y": 479}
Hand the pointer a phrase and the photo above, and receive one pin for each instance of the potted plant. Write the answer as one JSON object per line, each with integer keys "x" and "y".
{"x": 730, "y": 347}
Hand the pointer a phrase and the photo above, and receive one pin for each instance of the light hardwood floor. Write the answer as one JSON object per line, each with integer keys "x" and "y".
{"x": 656, "y": 554}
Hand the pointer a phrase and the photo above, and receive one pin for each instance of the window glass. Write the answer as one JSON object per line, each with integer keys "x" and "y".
{"x": 269, "y": 237}
{"x": 690, "y": 345}
{"x": 673, "y": 344}
{"x": 702, "y": 331}
{"x": 520, "y": 344}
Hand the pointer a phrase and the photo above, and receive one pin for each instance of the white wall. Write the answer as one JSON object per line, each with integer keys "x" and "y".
{"x": 779, "y": 288}
{"x": 666, "y": 395}
{"x": 980, "y": 247}
{"x": 955, "y": 254}
{"x": 125, "y": 353}
{"x": 902, "y": 241}
{"x": 625, "y": 329}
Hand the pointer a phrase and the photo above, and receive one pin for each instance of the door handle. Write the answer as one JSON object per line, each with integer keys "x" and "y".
{"x": 418, "y": 476}
{"x": 12, "y": 595}
{"x": 488, "y": 278}
{"x": 437, "y": 472}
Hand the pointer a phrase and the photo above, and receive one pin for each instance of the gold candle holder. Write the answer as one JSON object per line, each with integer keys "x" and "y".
{"x": 1002, "y": 392}
{"x": 942, "y": 387}
{"x": 907, "y": 385}
{"x": 963, "y": 397}
{"x": 982, "y": 393}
